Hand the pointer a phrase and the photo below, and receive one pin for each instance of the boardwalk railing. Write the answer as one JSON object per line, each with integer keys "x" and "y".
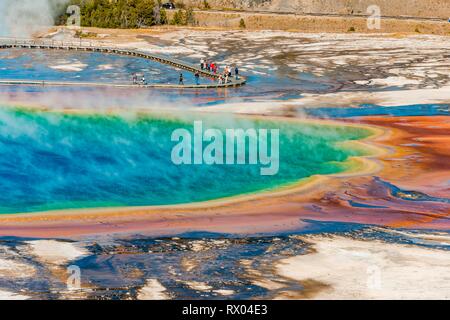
{"x": 46, "y": 44}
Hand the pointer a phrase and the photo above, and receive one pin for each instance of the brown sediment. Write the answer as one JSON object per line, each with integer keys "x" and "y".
{"x": 311, "y": 288}
{"x": 424, "y": 168}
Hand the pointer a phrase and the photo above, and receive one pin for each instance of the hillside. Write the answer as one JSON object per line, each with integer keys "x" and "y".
{"x": 397, "y": 8}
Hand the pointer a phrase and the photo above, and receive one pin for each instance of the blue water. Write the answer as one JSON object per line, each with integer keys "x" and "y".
{"x": 58, "y": 161}
{"x": 375, "y": 110}
{"x": 16, "y": 64}
{"x": 410, "y": 195}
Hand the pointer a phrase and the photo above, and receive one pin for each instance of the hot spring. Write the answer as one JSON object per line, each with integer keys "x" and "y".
{"x": 57, "y": 160}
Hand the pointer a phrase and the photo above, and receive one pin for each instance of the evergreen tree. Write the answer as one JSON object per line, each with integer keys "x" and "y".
{"x": 119, "y": 13}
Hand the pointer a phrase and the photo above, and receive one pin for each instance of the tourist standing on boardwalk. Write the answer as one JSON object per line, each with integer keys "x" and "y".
{"x": 143, "y": 80}
{"x": 135, "y": 78}
{"x": 236, "y": 72}
{"x": 197, "y": 77}
{"x": 181, "y": 79}
{"x": 202, "y": 64}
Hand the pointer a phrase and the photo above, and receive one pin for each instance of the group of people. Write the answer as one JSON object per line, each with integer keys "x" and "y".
{"x": 214, "y": 68}
{"x": 227, "y": 74}
{"x": 209, "y": 66}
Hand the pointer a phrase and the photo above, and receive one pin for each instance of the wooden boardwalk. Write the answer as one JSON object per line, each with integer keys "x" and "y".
{"x": 72, "y": 46}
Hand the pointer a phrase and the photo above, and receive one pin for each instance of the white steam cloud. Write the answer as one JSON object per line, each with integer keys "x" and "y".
{"x": 21, "y": 18}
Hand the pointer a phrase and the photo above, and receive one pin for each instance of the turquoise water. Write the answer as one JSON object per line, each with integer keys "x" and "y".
{"x": 54, "y": 161}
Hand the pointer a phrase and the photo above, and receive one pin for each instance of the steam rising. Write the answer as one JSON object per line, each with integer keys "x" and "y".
{"x": 23, "y": 18}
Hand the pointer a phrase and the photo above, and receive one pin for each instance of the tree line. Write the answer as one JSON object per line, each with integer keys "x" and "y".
{"x": 127, "y": 14}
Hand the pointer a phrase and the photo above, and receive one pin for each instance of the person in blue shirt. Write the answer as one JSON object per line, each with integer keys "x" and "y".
{"x": 197, "y": 77}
